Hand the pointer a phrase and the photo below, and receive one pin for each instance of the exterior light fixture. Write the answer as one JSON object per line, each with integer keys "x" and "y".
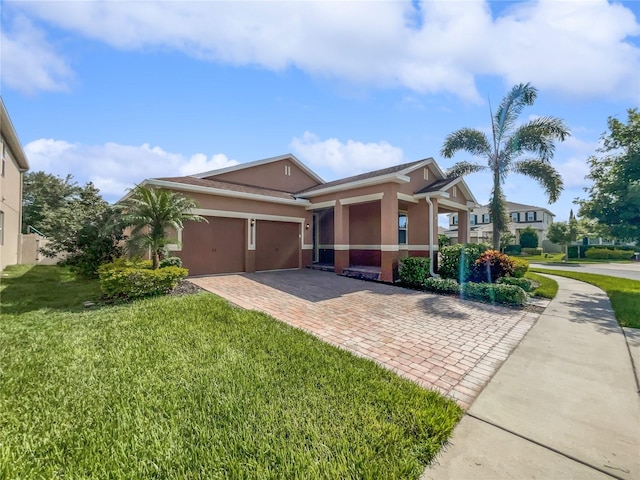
{"x": 253, "y": 222}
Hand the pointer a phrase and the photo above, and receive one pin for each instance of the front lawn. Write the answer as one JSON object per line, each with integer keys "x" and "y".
{"x": 547, "y": 287}
{"x": 191, "y": 387}
{"x": 623, "y": 293}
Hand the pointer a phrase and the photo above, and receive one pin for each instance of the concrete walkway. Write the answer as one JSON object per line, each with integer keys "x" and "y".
{"x": 564, "y": 405}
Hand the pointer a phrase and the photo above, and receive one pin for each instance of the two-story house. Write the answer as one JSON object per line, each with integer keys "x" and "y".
{"x": 14, "y": 164}
{"x": 521, "y": 216}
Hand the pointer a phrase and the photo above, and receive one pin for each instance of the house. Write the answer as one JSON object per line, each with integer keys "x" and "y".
{"x": 14, "y": 164}
{"x": 276, "y": 214}
{"x": 521, "y": 216}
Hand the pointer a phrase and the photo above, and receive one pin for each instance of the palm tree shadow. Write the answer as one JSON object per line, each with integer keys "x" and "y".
{"x": 587, "y": 308}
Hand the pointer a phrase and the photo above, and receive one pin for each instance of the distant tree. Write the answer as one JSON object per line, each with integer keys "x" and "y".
{"x": 528, "y": 238}
{"x": 443, "y": 241}
{"x": 614, "y": 197}
{"x": 151, "y": 212}
{"x": 59, "y": 208}
{"x": 506, "y": 238}
{"x": 504, "y": 150}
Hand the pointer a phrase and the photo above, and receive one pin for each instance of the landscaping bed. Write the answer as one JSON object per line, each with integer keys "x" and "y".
{"x": 191, "y": 387}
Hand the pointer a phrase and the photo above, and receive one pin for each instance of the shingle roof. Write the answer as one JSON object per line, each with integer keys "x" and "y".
{"x": 362, "y": 176}
{"x": 436, "y": 186}
{"x": 234, "y": 187}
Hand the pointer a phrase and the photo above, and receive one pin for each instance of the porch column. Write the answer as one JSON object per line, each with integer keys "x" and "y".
{"x": 340, "y": 237}
{"x": 433, "y": 235}
{"x": 389, "y": 237}
{"x": 464, "y": 227}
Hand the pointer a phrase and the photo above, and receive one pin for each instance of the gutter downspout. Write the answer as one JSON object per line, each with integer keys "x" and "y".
{"x": 431, "y": 271}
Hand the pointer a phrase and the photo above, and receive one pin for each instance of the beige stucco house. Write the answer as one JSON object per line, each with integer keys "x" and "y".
{"x": 14, "y": 164}
{"x": 521, "y": 216}
{"x": 278, "y": 214}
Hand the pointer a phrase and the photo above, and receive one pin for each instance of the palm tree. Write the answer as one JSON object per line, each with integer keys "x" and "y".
{"x": 504, "y": 151}
{"x": 151, "y": 211}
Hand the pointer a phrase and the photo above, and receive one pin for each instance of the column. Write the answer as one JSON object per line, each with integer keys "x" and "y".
{"x": 340, "y": 237}
{"x": 464, "y": 228}
{"x": 389, "y": 237}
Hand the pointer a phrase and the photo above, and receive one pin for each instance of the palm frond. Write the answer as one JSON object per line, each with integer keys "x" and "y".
{"x": 538, "y": 136}
{"x": 468, "y": 139}
{"x": 541, "y": 171}
{"x": 461, "y": 169}
{"x": 511, "y": 106}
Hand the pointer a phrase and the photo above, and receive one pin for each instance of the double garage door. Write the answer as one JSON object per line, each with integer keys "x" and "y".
{"x": 221, "y": 246}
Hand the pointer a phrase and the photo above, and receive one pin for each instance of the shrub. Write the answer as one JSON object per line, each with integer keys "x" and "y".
{"x": 532, "y": 252}
{"x": 495, "y": 293}
{"x": 123, "y": 279}
{"x": 528, "y": 238}
{"x": 441, "y": 285}
{"x": 171, "y": 262}
{"x": 604, "y": 253}
{"x": 520, "y": 266}
{"x": 491, "y": 266}
{"x": 524, "y": 283}
{"x": 549, "y": 247}
{"x": 414, "y": 271}
{"x": 512, "y": 249}
{"x": 457, "y": 261}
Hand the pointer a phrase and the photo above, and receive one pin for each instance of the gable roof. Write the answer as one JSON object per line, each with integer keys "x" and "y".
{"x": 11, "y": 137}
{"x": 445, "y": 184}
{"x": 242, "y": 166}
{"x": 515, "y": 207}
{"x": 368, "y": 178}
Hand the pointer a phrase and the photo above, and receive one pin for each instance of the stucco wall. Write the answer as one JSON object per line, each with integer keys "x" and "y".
{"x": 10, "y": 205}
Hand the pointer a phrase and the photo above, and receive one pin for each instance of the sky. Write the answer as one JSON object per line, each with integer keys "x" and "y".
{"x": 114, "y": 92}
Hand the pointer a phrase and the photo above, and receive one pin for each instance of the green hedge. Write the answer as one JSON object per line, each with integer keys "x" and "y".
{"x": 134, "y": 280}
{"x": 532, "y": 251}
{"x": 605, "y": 253}
{"x": 457, "y": 261}
{"x": 413, "y": 271}
{"x": 524, "y": 283}
{"x": 520, "y": 267}
{"x": 171, "y": 262}
{"x": 495, "y": 293}
{"x": 441, "y": 285}
{"x": 579, "y": 251}
{"x": 513, "y": 249}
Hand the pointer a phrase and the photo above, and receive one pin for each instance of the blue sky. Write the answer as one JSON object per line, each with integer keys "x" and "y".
{"x": 116, "y": 92}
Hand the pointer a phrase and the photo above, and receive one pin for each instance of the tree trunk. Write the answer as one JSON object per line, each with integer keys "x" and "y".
{"x": 155, "y": 260}
{"x": 497, "y": 215}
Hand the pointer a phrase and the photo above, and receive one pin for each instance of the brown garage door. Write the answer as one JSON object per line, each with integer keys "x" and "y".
{"x": 277, "y": 245}
{"x": 214, "y": 247}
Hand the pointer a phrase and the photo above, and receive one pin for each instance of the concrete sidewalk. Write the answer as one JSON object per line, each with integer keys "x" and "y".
{"x": 564, "y": 405}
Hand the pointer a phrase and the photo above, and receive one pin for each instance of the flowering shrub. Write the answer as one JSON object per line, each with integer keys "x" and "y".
{"x": 457, "y": 261}
{"x": 414, "y": 271}
{"x": 520, "y": 266}
{"x": 491, "y": 266}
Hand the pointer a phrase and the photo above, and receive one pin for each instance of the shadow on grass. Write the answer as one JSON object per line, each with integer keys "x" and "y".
{"x": 28, "y": 288}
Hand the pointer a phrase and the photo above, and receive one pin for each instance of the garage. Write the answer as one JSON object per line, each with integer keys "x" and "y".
{"x": 277, "y": 245}
{"x": 214, "y": 247}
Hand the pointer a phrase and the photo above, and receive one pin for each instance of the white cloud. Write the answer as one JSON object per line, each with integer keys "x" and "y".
{"x": 114, "y": 168}
{"x": 29, "y": 62}
{"x": 340, "y": 159}
{"x": 575, "y": 48}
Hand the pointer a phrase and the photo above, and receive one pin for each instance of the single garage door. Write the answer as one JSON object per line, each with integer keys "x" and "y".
{"x": 277, "y": 245}
{"x": 214, "y": 247}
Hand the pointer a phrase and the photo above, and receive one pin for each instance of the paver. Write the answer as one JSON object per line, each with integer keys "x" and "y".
{"x": 443, "y": 343}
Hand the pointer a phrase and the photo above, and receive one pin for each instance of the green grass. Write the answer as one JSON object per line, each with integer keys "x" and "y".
{"x": 623, "y": 293}
{"x": 548, "y": 288}
{"x": 557, "y": 258}
{"x": 191, "y": 387}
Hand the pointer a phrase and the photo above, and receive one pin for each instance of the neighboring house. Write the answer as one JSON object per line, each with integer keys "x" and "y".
{"x": 277, "y": 214}
{"x": 520, "y": 216}
{"x": 14, "y": 164}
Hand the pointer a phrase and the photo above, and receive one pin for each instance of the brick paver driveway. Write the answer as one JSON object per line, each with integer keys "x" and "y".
{"x": 443, "y": 343}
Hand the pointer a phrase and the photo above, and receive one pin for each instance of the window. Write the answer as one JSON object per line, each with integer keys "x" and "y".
{"x": 426, "y": 174}
{"x": 402, "y": 228}
{"x": 473, "y": 219}
{"x": 515, "y": 217}
{"x": 531, "y": 216}
{"x": 454, "y": 219}
{"x": 486, "y": 218}
{"x": 1, "y": 227}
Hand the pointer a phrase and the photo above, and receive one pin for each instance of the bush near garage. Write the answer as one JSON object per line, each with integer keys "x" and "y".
{"x": 491, "y": 266}
{"x": 413, "y": 271}
{"x": 457, "y": 261}
{"x": 171, "y": 262}
{"x": 441, "y": 285}
{"x": 123, "y": 279}
{"x": 495, "y": 293}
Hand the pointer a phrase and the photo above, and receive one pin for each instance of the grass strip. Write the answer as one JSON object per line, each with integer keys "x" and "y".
{"x": 623, "y": 293}
{"x": 191, "y": 387}
{"x": 548, "y": 288}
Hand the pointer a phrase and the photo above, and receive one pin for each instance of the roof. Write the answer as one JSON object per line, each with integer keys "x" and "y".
{"x": 9, "y": 133}
{"x": 366, "y": 176}
{"x": 512, "y": 206}
{"x": 232, "y": 187}
{"x": 437, "y": 186}
{"x": 242, "y": 166}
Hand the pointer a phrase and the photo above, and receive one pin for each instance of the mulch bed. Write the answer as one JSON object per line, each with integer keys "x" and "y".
{"x": 185, "y": 287}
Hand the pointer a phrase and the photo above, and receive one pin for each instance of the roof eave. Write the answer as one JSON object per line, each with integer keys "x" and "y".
{"x": 396, "y": 177}
{"x": 8, "y": 132}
